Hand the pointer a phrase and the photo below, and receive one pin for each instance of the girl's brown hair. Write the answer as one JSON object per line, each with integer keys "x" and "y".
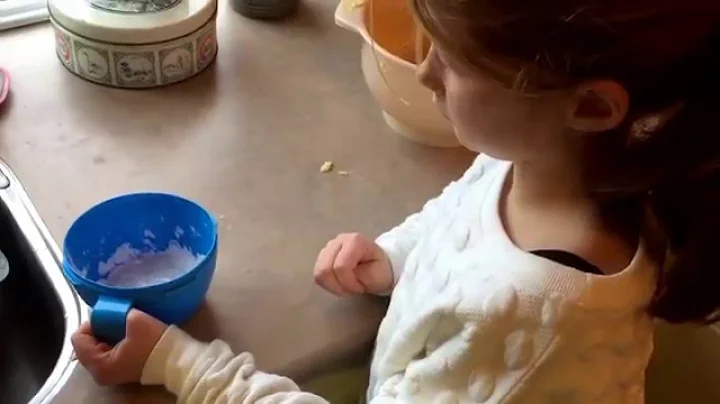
{"x": 666, "y": 154}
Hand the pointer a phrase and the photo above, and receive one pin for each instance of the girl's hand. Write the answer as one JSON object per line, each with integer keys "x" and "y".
{"x": 352, "y": 264}
{"x": 124, "y": 362}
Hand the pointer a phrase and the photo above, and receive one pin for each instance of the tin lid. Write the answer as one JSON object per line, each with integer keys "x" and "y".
{"x": 132, "y": 22}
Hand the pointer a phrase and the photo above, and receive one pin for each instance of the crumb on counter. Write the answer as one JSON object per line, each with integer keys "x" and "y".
{"x": 327, "y": 167}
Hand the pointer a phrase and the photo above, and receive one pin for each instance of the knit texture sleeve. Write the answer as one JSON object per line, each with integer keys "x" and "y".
{"x": 400, "y": 241}
{"x": 199, "y": 373}
{"x": 451, "y": 357}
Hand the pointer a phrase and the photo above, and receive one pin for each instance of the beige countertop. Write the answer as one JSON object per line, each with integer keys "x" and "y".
{"x": 246, "y": 139}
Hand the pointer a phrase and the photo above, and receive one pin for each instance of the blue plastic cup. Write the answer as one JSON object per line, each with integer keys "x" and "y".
{"x": 147, "y": 222}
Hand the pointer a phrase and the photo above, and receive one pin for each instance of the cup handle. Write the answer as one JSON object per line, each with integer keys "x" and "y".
{"x": 109, "y": 317}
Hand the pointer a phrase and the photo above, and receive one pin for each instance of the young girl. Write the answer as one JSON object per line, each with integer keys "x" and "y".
{"x": 536, "y": 277}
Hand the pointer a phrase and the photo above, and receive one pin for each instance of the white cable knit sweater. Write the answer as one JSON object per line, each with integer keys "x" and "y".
{"x": 473, "y": 319}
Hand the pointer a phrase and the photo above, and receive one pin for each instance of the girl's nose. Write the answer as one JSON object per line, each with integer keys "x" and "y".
{"x": 428, "y": 73}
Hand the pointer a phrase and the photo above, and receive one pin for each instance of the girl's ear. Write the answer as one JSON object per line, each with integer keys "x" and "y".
{"x": 598, "y": 106}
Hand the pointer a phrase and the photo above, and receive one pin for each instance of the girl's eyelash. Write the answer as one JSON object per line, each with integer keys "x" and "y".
{"x": 443, "y": 59}
{"x": 441, "y": 56}
{"x": 446, "y": 60}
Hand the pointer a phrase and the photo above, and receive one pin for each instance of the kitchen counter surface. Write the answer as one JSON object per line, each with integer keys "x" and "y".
{"x": 246, "y": 139}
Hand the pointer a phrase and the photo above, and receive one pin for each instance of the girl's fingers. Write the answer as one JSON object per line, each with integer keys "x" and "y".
{"x": 365, "y": 274}
{"x": 327, "y": 255}
{"x": 375, "y": 277}
{"x": 324, "y": 274}
{"x": 88, "y": 349}
{"x": 329, "y": 281}
{"x": 345, "y": 264}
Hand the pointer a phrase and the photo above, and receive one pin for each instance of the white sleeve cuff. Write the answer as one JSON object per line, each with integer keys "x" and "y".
{"x": 396, "y": 255}
{"x": 174, "y": 342}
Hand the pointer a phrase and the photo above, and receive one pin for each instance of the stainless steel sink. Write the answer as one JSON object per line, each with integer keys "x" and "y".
{"x": 38, "y": 309}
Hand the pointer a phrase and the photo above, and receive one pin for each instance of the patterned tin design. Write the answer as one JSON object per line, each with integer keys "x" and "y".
{"x": 137, "y": 66}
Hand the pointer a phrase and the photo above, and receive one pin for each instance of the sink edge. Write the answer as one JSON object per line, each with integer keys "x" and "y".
{"x": 48, "y": 253}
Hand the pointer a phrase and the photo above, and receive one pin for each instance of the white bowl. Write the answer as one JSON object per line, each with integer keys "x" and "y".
{"x": 389, "y": 34}
{"x": 134, "y": 49}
